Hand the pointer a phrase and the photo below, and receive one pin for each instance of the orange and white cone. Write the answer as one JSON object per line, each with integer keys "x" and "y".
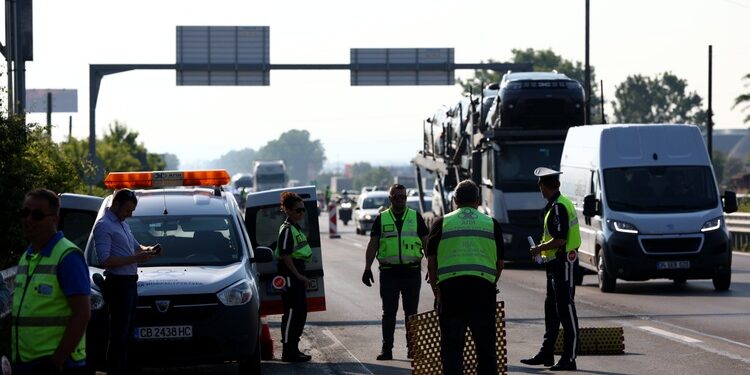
{"x": 266, "y": 341}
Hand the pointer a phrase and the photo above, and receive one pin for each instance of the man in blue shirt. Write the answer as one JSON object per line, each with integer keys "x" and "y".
{"x": 39, "y": 217}
{"x": 119, "y": 253}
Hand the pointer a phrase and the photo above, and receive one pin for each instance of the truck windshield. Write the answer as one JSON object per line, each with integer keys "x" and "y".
{"x": 185, "y": 240}
{"x": 515, "y": 164}
{"x": 660, "y": 189}
{"x": 276, "y": 178}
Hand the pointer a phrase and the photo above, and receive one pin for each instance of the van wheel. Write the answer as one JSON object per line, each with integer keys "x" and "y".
{"x": 722, "y": 281}
{"x": 607, "y": 282}
{"x": 251, "y": 365}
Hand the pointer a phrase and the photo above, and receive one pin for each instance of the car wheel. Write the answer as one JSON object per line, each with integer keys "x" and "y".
{"x": 607, "y": 282}
{"x": 722, "y": 281}
{"x": 251, "y": 365}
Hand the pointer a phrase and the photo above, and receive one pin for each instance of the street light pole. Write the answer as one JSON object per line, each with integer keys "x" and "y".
{"x": 587, "y": 73}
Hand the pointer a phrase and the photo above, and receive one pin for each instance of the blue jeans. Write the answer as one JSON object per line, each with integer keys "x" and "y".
{"x": 121, "y": 297}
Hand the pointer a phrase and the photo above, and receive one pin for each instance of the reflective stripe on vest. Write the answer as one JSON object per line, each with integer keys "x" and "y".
{"x": 573, "y": 240}
{"x": 301, "y": 249}
{"x": 467, "y": 246}
{"x": 40, "y": 308}
{"x": 399, "y": 247}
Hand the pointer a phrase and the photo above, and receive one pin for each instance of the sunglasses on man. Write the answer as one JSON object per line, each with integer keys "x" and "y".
{"x": 299, "y": 210}
{"x": 36, "y": 214}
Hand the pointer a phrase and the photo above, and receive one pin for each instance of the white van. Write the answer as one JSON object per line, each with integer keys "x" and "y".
{"x": 648, "y": 204}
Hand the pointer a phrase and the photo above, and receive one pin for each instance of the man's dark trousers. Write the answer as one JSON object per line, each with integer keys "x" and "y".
{"x": 121, "y": 297}
{"x": 468, "y": 301}
{"x": 405, "y": 282}
{"x": 559, "y": 306}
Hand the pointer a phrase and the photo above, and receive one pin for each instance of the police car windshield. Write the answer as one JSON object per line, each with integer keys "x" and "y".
{"x": 187, "y": 240}
{"x": 515, "y": 164}
{"x": 660, "y": 189}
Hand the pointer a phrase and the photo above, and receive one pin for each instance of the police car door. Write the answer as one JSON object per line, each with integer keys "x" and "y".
{"x": 77, "y": 217}
{"x": 263, "y": 217}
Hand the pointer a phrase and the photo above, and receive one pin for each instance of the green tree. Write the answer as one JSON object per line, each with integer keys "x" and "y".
{"x": 303, "y": 157}
{"x": 662, "y": 99}
{"x": 235, "y": 161}
{"x": 744, "y": 99}
{"x": 541, "y": 61}
{"x": 120, "y": 151}
{"x": 171, "y": 161}
{"x": 364, "y": 174}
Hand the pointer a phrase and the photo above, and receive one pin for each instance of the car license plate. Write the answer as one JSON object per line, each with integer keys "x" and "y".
{"x": 673, "y": 265}
{"x": 163, "y": 332}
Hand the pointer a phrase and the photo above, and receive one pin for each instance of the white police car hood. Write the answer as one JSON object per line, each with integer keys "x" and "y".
{"x": 177, "y": 280}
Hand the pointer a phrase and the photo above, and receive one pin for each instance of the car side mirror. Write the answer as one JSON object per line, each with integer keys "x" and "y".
{"x": 591, "y": 206}
{"x": 730, "y": 201}
{"x": 262, "y": 255}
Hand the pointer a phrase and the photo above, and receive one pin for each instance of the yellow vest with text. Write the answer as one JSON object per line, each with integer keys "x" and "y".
{"x": 396, "y": 248}
{"x": 302, "y": 249}
{"x": 467, "y": 246}
{"x": 573, "y": 241}
{"x": 40, "y": 308}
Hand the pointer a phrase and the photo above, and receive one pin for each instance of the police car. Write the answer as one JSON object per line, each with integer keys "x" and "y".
{"x": 198, "y": 303}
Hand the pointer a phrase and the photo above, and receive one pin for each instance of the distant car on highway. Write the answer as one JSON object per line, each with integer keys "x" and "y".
{"x": 198, "y": 302}
{"x": 368, "y": 207}
{"x": 413, "y": 203}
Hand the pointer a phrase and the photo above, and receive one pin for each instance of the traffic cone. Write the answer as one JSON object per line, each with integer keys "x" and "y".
{"x": 266, "y": 342}
{"x": 332, "y": 231}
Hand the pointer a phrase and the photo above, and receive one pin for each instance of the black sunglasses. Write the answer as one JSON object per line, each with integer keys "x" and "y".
{"x": 36, "y": 214}
{"x": 299, "y": 210}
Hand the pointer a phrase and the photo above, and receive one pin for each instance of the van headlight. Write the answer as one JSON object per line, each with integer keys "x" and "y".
{"x": 712, "y": 224}
{"x": 97, "y": 300}
{"x": 622, "y": 227}
{"x": 238, "y": 294}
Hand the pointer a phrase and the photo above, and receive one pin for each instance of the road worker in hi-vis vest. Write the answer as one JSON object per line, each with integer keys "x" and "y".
{"x": 558, "y": 251}
{"x": 465, "y": 258}
{"x": 397, "y": 239}
{"x": 51, "y": 305}
{"x": 293, "y": 251}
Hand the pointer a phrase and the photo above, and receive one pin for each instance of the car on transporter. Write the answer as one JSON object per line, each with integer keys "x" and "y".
{"x": 198, "y": 302}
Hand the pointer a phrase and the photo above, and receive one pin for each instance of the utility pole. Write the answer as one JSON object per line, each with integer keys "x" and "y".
{"x": 601, "y": 88}
{"x": 587, "y": 74}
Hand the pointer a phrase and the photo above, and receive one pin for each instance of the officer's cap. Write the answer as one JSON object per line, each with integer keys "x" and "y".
{"x": 547, "y": 174}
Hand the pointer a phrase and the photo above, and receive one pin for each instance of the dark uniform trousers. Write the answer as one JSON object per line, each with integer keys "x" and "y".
{"x": 467, "y": 301}
{"x": 395, "y": 282}
{"x": 121, "y": 296}
{"x": 293, "y": 321}
{"x": 559, "y": 306}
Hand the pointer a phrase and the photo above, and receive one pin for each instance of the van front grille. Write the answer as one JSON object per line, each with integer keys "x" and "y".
{"x": 671, "y": 245}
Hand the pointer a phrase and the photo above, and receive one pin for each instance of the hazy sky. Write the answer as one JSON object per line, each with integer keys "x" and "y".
{"x": 376, "y": 124}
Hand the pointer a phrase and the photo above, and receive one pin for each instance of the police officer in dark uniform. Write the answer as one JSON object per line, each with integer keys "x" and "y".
{"x": 558, "y": 250}
{"x": 293, "y": 252}
{"x": 397, "y": 239}
{"x": 465, "y": 258}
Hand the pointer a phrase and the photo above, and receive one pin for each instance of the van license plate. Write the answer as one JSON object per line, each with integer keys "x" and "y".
{"x": 673, "y": 265}
{"x": 163, "y": 332}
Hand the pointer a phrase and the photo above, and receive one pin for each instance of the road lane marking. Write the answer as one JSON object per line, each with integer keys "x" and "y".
{"x": 668, "y": 334}
{"x": 359, "y": 245}
{"x": 338, "y": 342}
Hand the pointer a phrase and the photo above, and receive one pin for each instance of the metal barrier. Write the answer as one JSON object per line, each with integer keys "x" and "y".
{"x": 738, "y": 224}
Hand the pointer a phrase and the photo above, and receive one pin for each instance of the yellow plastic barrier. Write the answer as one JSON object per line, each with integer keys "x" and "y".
{"x": 596, "y": 340}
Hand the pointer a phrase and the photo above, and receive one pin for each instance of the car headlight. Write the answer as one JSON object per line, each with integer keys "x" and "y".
{"x": 712, "y": 224}
{"x": 97, "y": 300}
{"x": 238, "y": 294}
{"x": 368, "y": 217}
{"x": 622, "y": 227}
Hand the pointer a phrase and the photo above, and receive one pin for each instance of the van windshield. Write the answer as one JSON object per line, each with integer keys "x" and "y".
{"x": 275, "y": 178}
{"x": 660, "y": 189}
{"x": 514, "y": 167}
{"x": 185, "y": 240}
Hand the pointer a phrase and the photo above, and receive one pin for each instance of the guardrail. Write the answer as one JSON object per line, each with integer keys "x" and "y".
{"x": 738, "y": 224}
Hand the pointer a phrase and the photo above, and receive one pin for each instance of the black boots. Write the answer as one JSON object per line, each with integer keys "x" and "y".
{"x": 564, "y": 364}
{"x": 292, "y": 354}
{"x": 385, "y": 355}
{"x": 539, "y": 359}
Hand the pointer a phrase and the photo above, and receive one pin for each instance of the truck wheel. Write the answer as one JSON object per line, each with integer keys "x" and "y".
{"x": 722, "y": 281}
{"x": 607, "y": 282}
